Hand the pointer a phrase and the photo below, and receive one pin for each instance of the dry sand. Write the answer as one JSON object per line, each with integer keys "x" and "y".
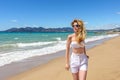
{"x": 103, "y": 65}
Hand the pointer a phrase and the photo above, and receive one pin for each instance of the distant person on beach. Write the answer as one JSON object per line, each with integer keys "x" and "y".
{"x": 78, "y": 62}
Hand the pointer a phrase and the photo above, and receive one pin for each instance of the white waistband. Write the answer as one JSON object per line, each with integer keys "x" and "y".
{"x": 78, "y": 54}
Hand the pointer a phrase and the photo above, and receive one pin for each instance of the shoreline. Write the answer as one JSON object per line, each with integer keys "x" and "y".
{"x": 18, "y": 67}
{"x": 31, "y": 63}
{"x": 102, "y": 54}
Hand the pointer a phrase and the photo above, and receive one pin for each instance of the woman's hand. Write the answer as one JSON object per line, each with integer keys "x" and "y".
{"x": 87, "y": 56}
{"x": 67, "y": 66}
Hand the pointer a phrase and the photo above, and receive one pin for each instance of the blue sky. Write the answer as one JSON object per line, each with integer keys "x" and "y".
{"x": 97, "y": 14}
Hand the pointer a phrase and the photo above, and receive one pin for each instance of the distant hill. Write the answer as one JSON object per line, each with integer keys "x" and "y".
{"x": 106, "y": 30}
{"x": 65, "y": 29}
{"x": 39, "y": 29}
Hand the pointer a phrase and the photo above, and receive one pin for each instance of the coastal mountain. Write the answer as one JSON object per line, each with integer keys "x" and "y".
{"x": 64, "y": 29}
{"x": 39, "y": 29}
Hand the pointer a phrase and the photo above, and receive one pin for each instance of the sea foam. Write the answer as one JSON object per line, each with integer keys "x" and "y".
{"x": 15, "y": 56}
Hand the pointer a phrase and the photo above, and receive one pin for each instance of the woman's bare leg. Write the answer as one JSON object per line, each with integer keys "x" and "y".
{"x": 75, "y": 76}
{"x": 82, "y": 75}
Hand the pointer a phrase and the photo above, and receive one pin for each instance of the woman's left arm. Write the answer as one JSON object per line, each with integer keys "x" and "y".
{"x": 85, "y": 50}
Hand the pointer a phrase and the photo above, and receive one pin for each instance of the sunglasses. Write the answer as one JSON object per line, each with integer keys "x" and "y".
{"x": 78, "y": 26}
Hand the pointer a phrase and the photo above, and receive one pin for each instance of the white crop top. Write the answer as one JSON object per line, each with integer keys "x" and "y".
{"x": 74, "y": 44}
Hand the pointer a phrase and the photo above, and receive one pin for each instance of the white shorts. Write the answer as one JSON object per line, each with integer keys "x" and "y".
{"x": 78, "y": 62}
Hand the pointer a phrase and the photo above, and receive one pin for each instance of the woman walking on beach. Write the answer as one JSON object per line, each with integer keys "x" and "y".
{"x": 79, "y": 60}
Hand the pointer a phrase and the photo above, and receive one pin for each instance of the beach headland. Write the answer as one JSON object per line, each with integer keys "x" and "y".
{"x": 103, "y": 64}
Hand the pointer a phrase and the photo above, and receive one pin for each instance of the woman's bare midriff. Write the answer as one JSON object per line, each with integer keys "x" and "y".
{"x": 78, "y": 50}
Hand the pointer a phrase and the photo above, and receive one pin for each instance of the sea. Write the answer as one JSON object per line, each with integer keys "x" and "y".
{"x": 19, "y": 46}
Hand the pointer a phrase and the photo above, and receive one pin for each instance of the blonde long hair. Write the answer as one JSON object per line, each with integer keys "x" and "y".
{"x": 81, "y": 34}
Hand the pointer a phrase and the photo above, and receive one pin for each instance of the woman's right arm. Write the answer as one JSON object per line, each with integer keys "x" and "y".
{"x": 67, "y": 52}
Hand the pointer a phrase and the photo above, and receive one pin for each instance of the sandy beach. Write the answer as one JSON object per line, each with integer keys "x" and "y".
{"x": 103, "y": 65}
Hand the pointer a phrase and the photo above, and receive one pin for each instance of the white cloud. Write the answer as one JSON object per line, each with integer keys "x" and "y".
{"x": 34, "y": 25}
{"x": 14, "y": 21}
{"x": 26, "y": 25}
{"x": 118, "y": 12}
{"x": 86, "y": 22}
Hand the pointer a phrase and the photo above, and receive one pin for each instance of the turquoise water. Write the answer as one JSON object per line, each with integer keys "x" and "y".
{"x": 6, "y": 38}
{"x": 22, "y": 41}
{"x": 19, "y": 46}
{"x": 31, "y": 37}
